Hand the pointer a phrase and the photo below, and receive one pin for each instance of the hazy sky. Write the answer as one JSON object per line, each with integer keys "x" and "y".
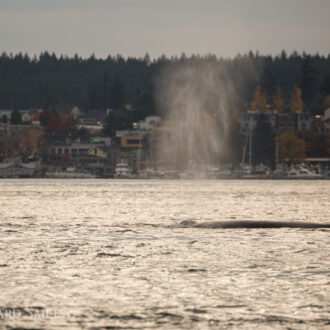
{"x": 134, "y": 27}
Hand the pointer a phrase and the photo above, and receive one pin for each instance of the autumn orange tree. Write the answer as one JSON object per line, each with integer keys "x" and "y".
{"x": 19, "y": 144}
{"x": 278, "y": 101}
{"x": 291, "y": 149}
{"x": 259, "y": 102}
{"x": 31, "y": 141}
{"x": 326, "y": 102}
{"x": 296, "y": 102}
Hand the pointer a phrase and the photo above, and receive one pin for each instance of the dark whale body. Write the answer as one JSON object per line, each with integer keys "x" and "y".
{"x": 252, "y": 224}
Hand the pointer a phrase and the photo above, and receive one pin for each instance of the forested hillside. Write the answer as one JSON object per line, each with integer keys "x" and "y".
{"x": 55, "y": 82}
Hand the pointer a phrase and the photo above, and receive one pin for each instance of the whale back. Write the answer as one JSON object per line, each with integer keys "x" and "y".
{"x": 252, "y": 224}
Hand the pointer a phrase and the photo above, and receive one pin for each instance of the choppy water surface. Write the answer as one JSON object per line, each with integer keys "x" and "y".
{"x": 107, "y": 254}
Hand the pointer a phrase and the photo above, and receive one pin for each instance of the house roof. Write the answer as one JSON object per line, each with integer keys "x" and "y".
{"x": 5, "y": 165}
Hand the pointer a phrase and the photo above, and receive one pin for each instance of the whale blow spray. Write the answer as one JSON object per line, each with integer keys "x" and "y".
{"x": 196, "y": 97}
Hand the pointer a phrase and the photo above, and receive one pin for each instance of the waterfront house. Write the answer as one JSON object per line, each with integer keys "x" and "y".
{"x": 15, "y": 170}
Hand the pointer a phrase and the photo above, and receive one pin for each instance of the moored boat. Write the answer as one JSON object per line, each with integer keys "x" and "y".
{"x": 123, "y": 171}
{"x": 70, "y": 173}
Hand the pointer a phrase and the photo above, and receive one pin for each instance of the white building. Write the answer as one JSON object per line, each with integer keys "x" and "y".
{"x": 149, "y": 123}
{"x": 304, "y": 122}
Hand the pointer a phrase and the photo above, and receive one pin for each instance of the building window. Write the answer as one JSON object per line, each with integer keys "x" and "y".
{"x": 133, "y": 141}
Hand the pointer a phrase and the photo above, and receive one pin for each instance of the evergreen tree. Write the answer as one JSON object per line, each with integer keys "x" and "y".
{"x": 144, "y": 105}
{"x": 16, "y": 117}
{"x": 117, "y": 94}
{"x": 45, "y": 81}
{"x": 309, "y": 82}
{"x": 94, "y": 98}
{"x": 119, "y": 119}
{"x": 106, "y": 91}
{"x": 325, "y": 88}
{"x": 283, "y": 55}
{"x": 267, "y": 83}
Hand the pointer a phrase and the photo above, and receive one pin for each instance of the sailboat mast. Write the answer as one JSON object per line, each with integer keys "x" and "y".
{"x": 250, "y": 143}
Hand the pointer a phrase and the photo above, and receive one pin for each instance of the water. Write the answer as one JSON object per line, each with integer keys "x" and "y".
{"x": 102, "y": 254}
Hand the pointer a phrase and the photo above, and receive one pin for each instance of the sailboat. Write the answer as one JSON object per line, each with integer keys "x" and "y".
{"x": 246, "y": 170}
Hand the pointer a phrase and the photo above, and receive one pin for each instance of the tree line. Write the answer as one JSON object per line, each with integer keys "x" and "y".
{"x": 61, "y": 82}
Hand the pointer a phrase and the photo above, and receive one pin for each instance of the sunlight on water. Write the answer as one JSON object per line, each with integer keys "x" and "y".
{"x": 109, "y": 253}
